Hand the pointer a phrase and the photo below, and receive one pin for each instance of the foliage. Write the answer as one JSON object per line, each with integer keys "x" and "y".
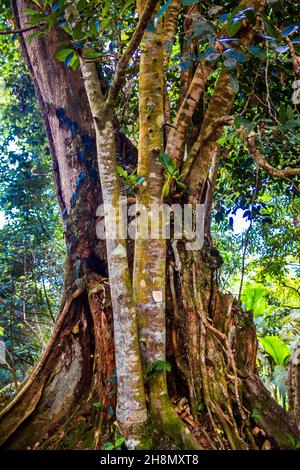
{"x": 32, "y": 251}
{"x": 255, "y": 299}
{"x": 172, "y": 174}
{"x": 117, "y": 445}
{"x": 131, "y": 180}
{"x": 255, "y": 415}
{"x": 276, "y": 348}
{"x": 157, "y": 367}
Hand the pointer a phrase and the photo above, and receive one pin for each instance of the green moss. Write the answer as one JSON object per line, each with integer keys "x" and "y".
{"x": 80, "y": 435}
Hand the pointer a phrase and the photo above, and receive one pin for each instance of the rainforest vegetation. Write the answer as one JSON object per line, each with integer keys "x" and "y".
{"x": 149, "y": 342}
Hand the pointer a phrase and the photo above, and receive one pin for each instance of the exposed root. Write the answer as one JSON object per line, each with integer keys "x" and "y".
{"x": 227, "y": 421}
{"x": 32, "y": 376}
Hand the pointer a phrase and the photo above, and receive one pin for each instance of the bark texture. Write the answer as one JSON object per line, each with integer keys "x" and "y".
{"x": 294, "y": 383}
{"x": 131, "y": 404}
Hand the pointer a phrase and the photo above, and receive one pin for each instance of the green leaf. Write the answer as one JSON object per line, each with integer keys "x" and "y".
{"x": 127, "y": 4}
{"x": 62, "y": 54}
{"x": 268, "y": 26}
{"x": 108, "y": 446}
{"x": 234, "y": 23}
{"x": 156, "y": 367}
{"x": 254, "y": 296}
{"x": 206, "y": 53}
{"x": 168, "y": 163}
{"x": 289, "y": 112}
{"x": 166, "y": 188}
{"x": 37, "y": 3}
{"x": 234, "y": 83}
{"x": 292, "y": 440}
{"x": 282, "y": 113}
{"x": 81, "y": 5}
{"x": 51, "y": 20}
{"x": 180, "y": 185}
{"x": 102, "y": 25}
{"x": 255, "y": 415}
{"x": 239, "y": 56}
{"x": 212, "y": 57}
{"x": 233, "y": 28}
{"x": 257, "y": 52}
{"x": 98, "y": 405}
{"x": 280, "y": 376}
{"x": 74, "y": 63}
{"x": 276, "y": 348}
{"x": 121, "y": 171}
{"x": 31, "y": 11}
{"x": 139, "y": 179}
{"x": 90, "y": 54}
{"x": 290, "y": 124}
{"x": 250, "y": 15}
{"x": 201, "y": 407}
{"x": 289, "y": 30}
{"x": 69, "y": 58}
{"x": 119, "y": 441}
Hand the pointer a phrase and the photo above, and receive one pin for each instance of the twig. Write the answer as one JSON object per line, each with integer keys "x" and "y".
{"x": 262, "y": 163}
{"x": 19, "y": 31}
{"x": 293, "y": 288}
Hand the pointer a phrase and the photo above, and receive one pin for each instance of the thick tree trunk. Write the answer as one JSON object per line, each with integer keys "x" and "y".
{"x": 79, "y": 361}
{"x": 211, "y": 344}
{"x": 131, "y": 401}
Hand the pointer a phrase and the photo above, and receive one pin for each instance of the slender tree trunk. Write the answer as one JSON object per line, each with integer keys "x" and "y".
{"x": 131, "y": 402}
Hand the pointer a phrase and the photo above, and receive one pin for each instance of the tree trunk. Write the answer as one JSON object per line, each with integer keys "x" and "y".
{"x": 79, "y": 360}
{"x": 294, "y": 383}
{"x": 211, "y": 344}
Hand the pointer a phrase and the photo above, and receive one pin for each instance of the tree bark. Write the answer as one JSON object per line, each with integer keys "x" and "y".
{"x": 294, "y": 383}
{"x": 131, "y": 402}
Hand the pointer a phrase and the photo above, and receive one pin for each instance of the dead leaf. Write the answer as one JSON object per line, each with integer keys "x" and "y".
{"x": 182, "y": 402}
{"x": 255, "y": 431}
{"x": 75, "y": 329}
{"x": 266, "y": 445}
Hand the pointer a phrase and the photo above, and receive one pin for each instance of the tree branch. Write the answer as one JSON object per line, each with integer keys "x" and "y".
{"x": 130, "y": 50}
{"x": 186, "y": 111}
{"x": 204, "y": 136}
{"x": 19, "y": 31}
{"x": 190, "y": 101}
{"x": 169, "y": 28}
{"x": 201, "y": 154}
{"x": 261, "y": 161}
{"x": 295, "y": 57}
